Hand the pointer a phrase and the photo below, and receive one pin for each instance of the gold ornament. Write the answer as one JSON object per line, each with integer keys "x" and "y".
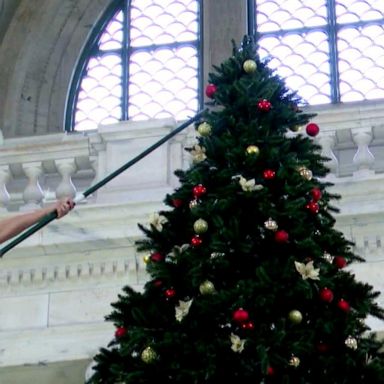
{"x": 193, "y": 205}
{"x": 249, "y": 66}
{"x": 351, "y": 342}
{"x": 253, "y": 150}
{"x": 146, "y": 259}
{"x": 148, "y": 355}
{"x": 328, "y": 257}
{"x": 271, "y": 225}
{"x": 295, "y": 316}
{"x": 305, "y": 173}
{"x": 204, "y": 129}
{"x": 207, "y": 288}
{"x": 296, "y": 128}
{"x": 294, "y": 361}
{"x": 200, "y": 226}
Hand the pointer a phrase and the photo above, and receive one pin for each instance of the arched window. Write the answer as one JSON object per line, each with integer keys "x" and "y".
{"x": 330, "y": 51}
{"x": 142, "y": 61}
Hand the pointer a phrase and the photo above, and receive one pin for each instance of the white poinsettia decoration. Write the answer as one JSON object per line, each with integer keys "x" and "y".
{"x": 157, "y": 221}
{"x": 178, "y": 250}
{"x": 237, "y": 343}
{"x": 249, "y": 185}
{"x": 198, "y": 153}
{"x": 182, "y": 309}
{"x": 307, "y": 271}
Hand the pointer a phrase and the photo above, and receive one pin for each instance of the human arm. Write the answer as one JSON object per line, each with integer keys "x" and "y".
{"x": 12, "y": 226}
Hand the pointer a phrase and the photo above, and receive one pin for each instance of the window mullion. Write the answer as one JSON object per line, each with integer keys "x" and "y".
{"x": 333, "y": 54}
{"x": 125, "y": 61}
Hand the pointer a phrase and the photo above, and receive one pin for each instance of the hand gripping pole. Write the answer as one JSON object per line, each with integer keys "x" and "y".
{"x": 53, "y": 215}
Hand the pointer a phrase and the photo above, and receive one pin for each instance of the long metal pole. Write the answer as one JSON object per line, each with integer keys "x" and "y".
{"x": 53, "y": 215}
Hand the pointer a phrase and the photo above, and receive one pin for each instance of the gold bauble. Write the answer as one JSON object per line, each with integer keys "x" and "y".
{"x": 146, "y": 259}
{"x": 204, "y": 129}
{"x": 199, "y": 158}
{"x": 295, "y": 316}
{"x": 271, "y": 225}
{"x": 294, "y": 361}
{"x": 296, "y": 128}
{"x": 305, "y": 173}
{"x": 249, "y": 66}
{"x": 207, "y": 288}
{"x": 193, "y": 204}
{"x": 351, "y": 342}
{"x": 200, "y": 226}
{"x": 253, "y": 150}
{"x": 148, "y": 355}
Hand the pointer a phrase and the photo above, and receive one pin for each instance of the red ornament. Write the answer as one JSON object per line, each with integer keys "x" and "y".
{"x": 326, "y": 295}
{"x": 339, "y": 261}
{"x": 249, "y": 325}
{"x": 264, "y": 105}
{"x": 210, "y": 90}
{"x": 199, "y": 190}
{"x": 322, "y": 347}
{"x": 157, "y": 283}
{"x": 343, "y": 305}
{"x": 240, "y": 315}
{"x": 281, "y": 236}
{"x": 120, "y": 332}
{"x": 196, "y": 241}
{"x": 313, "y": 207}
{"x": 316, "y": 194}
{"x": 169, "y": 293}
{"x": 270, "y": 371}
{"x": 177, "y": 203}
{"x": 156, "y": 257}
{"x": 312, "y": 129}
{"x": 269, "y": 174}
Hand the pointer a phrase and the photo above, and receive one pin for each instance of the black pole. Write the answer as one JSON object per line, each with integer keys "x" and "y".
{"x": 53, "y": 215}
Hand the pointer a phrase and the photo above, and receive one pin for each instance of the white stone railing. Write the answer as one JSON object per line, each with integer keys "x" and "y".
{"x": 39, "y": 169}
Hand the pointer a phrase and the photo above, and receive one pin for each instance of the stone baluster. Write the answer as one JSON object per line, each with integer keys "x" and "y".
{"x": 33, "y": 193}
{"x": 327, "y": 140}
{"x": 363, "y": 158}
{"x": 4, "y": 178}
{"x": 66, "y": 169}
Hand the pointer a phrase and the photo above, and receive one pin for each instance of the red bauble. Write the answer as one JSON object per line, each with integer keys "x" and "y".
{"x": 240, "y": 315}
{"x": 264, "y": 105}
{"x": 120, "y": 332}
{"x": 199, "y": 190}
{"x": 313, "y": 207}
{"x": 269, "y": 174}
{"x": 326, "y": 295}
{"x": 322, "y": 347}
{"x": 177, "y": 203}
{"x": 339, "y": 261}
{"x": 157, "y": 283}
{"x": 281, "y": 236}
{"x": 169, "y": 293}
{"x": 270, "y": 371}
{"x": 210, "y": 90}
{"x": 157, "y": 256}
{"x": 249, "y": 325}
{"x": 316, "y": 194}
{"x": 196, "y": 241}
{"x": 312, "y": 129}
{"x": 343, "y": 305}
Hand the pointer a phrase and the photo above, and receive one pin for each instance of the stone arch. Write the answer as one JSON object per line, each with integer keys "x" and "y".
{"x": 38, "y": 54}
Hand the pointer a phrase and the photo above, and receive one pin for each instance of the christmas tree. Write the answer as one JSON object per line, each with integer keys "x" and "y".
{"x": 248, "y": 277}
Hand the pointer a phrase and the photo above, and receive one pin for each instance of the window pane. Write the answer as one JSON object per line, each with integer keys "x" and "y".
{"x": 274, "y": 15}
{"x": 361, "y": 58}
{"x": 163, "y": 21}
{"x": 349, "y": 11}
{"x": 163, "y": 83}
{"x": 99, "y": 98}
{"x": 303, "y": 61}
{"x": 112, "y": 37}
